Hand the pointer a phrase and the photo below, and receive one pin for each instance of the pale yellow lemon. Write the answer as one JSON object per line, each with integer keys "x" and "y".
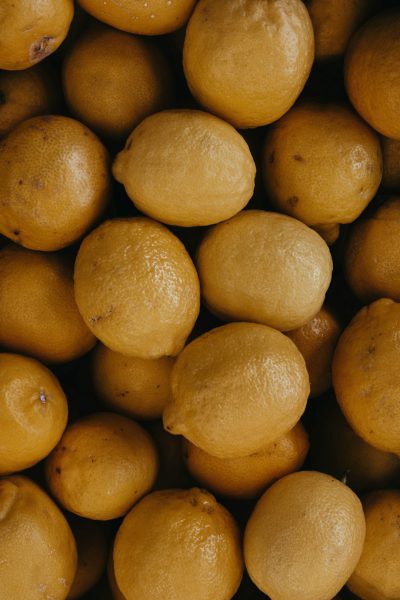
{"x": 187, "y": 168}
{"x": 264, "y": 267}
{"x": 304, "y": 537}
{"x": 236, "y": 389}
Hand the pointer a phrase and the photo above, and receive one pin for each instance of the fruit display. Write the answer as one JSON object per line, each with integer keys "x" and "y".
{"x": 199, "y": 300}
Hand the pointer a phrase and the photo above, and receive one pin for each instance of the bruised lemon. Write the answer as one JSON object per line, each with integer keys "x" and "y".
{"x": 32, "y": 30}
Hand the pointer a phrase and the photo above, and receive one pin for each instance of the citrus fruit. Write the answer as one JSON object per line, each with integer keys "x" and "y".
{"x": 304, "y": 537}
{"x": 187, "y": 168}
{"x": 224, "y": 57}
{"x": 103, "y": 464}
{"x": 137, "y": 288}
{"x": 264, "y": 267}
{"x": 178, "y": 544}
{"x": 236, "y": 389}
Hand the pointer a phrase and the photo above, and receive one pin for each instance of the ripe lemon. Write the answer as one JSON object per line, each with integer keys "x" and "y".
{"x": 25, "y": 94}
{"x": 376, "y": 575}
{"x": 370, "y": 72}
{"x": 38, "y": 313}
{"x": 137, "y": 387}
{"x": 186, "y": 167}
{"x": 54, "y": 182}
{"x": 248, "y": 60}
{"x": 113, "y": 80}
{"x": 152, "y": 17}
{"x": 137, "y": 288}
{"x": 372, "y": 256}
{"x": 334, "y": 22}
{"x": 103, "y": 464}
{"x": 37, "y": 549}
{"x": 175, "y": 545}
{"x": 33, "y": 412}
{"x": 336, "y": 449}
{"x": 304, "y": 537}
{"x": 365, "y": 374}
{"x": 248, "y": 476}
{"x": 317, "y": 340}
{"x": 322, "y": 164}
{"x": 264, "y": 267}
{"x": 236, "y": 389}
